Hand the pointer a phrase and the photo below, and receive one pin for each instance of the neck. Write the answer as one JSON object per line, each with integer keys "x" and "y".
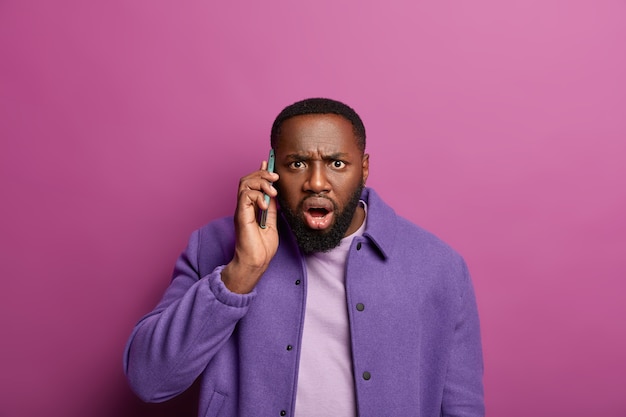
{"x": 357, "y": 220}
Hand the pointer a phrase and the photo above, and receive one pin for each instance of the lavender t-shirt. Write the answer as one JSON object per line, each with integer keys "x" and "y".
{"x": 325, "y": 378}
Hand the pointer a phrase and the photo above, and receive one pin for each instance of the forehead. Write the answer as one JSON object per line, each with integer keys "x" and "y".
{"x": 314, "y": 132}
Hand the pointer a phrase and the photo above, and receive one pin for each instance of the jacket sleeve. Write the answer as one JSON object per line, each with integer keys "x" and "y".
{"x": 172, "y": 345}
{"x": 463, "y": 392}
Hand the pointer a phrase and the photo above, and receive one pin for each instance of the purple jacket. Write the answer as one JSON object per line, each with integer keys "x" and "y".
{"x": 413, "y": 322}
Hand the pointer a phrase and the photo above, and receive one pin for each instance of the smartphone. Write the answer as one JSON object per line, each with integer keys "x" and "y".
{"x": 270, "y": 168}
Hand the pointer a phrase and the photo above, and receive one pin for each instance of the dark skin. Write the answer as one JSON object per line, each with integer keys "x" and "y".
{"x": 317, "y": 161}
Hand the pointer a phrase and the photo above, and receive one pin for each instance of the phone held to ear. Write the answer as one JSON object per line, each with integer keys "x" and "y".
{"x": 270, "y": 168}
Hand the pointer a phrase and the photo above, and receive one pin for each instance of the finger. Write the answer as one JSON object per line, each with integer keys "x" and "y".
{"x": 272, "y": 215}
{"x": 251, "y": 201}
{"x": 263, "y": 182}
{"x": 266, "y": 175}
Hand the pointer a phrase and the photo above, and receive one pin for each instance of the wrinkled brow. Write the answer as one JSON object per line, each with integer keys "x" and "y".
{"x": 305, "y": 156}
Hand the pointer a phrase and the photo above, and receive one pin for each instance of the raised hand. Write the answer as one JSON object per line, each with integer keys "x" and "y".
{"x": 255, "y": 247}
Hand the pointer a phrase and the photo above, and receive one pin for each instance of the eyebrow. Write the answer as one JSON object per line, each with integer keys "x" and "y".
{"x": 307, "y": 157}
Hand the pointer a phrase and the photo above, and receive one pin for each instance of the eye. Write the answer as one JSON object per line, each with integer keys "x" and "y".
{"x": 296, "y": 165}
{"x": 338, "y": 164}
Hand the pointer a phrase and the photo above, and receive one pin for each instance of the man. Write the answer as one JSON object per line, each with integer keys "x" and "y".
{"x": 338, "y": 307}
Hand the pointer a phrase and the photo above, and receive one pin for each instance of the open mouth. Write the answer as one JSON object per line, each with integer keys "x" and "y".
{"x": 318, "y": 212}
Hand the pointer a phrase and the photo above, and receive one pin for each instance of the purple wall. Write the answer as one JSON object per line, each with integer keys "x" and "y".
{"x": 498, "y": 125}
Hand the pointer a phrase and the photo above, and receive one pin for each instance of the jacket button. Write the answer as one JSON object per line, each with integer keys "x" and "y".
{"x": 366, "y": 376}
{"x": 283, "y": 413}
{"x": 297, "y": 282}
{"x": 360, "y": 307}
{"x": 289, "y": 347}
{"x": 358, "y": 246}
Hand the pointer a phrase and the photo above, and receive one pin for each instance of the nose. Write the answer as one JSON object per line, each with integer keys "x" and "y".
{"x": 317, "y": 181}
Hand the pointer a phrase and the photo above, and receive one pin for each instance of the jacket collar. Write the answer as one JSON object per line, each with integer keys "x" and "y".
{"x": 381, "y": 222}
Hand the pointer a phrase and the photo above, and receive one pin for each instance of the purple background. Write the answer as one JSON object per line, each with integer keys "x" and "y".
{"x": 498, "y": 125}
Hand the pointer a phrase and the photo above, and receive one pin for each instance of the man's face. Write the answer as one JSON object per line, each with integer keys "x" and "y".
{"x": 322, "y": 172}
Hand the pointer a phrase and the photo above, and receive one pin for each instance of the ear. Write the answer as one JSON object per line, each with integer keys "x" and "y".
{"x": 365, "y": 167}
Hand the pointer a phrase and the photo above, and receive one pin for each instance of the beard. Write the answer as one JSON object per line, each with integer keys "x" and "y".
{"x": 311, "y": 240}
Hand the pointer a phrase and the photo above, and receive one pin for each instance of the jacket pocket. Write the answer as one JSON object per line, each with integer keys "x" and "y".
{"x": 215, "y": 404}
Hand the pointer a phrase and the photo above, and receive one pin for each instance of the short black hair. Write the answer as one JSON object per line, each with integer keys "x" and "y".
{"x": 320, "y": 106}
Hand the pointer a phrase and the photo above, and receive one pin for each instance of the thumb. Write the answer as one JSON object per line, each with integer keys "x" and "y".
{"x": 272, "y": 214}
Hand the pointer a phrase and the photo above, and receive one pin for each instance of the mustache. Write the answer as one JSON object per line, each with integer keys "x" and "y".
{"x": 317, "y": 196}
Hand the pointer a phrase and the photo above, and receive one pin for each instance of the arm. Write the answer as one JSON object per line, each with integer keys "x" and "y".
{"x": 463, "y": 392}
{"x": 171, "y": 346}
